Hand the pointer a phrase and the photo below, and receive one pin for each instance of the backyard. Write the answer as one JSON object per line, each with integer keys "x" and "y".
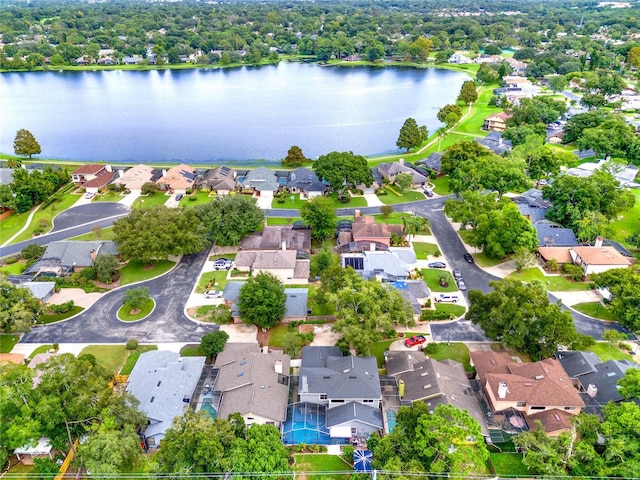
{"x": 320, "y": 463}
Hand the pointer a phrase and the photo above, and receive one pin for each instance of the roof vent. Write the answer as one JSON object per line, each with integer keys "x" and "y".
{"x": 240, "y": 374}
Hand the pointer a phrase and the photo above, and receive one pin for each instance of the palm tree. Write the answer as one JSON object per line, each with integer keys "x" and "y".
{"x": 14, "y": 163}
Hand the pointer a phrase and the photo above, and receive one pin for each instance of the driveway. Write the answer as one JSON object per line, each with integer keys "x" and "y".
{"x": 127, "y": 200}
{"x": 167, "y": 324}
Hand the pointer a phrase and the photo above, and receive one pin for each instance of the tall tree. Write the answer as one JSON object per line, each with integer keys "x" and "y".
{"x": 490, "y": 172}
{"x": 262, "y": 300}
{"x": 521, "y": 317}
{"x": 624, "y": 285}
{"x": 213, "y": 343}
{"x": 461, "y": 153}
{"x": 629, "y": 385}
{"x": 106, "y": 266}
{"x": 449, "y": 114}
{"x": 411, "y": 135}
{"x": 25, "y": 144}
{"x": 19, "y": 310}
{"x": 542, "y": 160}
{"x": 468, "y": 93}
{"x": 343, "y": 170}
{"x": 320, "y": 214}
{"x": 294, "y": 157}
{"x": 228, "y": 218}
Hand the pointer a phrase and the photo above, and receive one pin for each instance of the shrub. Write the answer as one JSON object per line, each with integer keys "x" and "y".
{"x": 386, "y": 210}
{"x": 221, "y": 314}
{"x": 193, "y": 199}
{"x": 381, "y": 191}
{"x": 347, "y": 454}
{"x": 574, "y": 272}
{"x": 88, "y": 273}
{"x": 43, "y": 223}
{"x": 63, "y": 307}
{"x": 431, "y": 348}
{"x": 434, "y": 315}
{"x": 11, "y": 260}
{"x": 31, "y": 251}
{"x": 132, "y": 344}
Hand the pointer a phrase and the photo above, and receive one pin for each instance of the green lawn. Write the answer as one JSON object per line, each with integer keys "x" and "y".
{"x": 136, "y": 271}
{"x": 606, "y": 351}
{"x": 485, "y": 261}
{"x": 14, "y": 268}
{"x": 22, "y": 472}
{"x": 425, "y": 249}
{"x": 354, "y": 202}
{"x": 46, "y": 215}
{"x": 441, "y": 185}
{"x": 108, "y": 196}
{"x": 457, "y": 310}
{"x": 319, "y": 463}
{"x": 111, "y": 357}
{"x": 7, "y": 342}
{"x": 432, "y": 276}
{"x": 296, "y": 203}
{"x": 397, "y": 218}
{"x": 392, "y": 198}
{"x": 200, "y": 198}
{"x": 219, "y": 277}
{"x": 41, "y": 349}
{"x": 479, "y": 111}
{"x": 56, "y": 317}
{"x": 509, "y": 464}
{"x": 454, "y": 351}
{"x": 133, "y": 356}
{"x": 628, "y": 222}
{"x": 277, "y": 335}
{"x": 281, "y": 220}
{"x": 157, "y": 198}
{"x": 12, "y": 225}
{"x": 105, "y": 234}
{"x": 596, "y": 310}
{"x": 124, "y": 313}
{"x": 553, "y": 283}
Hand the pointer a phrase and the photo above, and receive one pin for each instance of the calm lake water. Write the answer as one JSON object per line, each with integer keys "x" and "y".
{"x": 214, "y": 115}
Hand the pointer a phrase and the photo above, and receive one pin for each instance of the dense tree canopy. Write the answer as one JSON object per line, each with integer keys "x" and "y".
{"x": 490, "y": 172}
{"x": 228, "y": 218}
{"x": 343, "y": 170}
{"x": 19, "y": 310}
{"x": 262, "y": 300}
{"x": 294, "y": 157}
{"x": 31, "y": 188}
{"x": 468, "y": 92}
{"x": 624, "y": 285}
{"x": 320, "y": 214}
{"x": 25, "y": 144}
{"x": 521, "y": 317}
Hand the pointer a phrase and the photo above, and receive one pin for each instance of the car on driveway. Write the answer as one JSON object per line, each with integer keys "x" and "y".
{"x": 89, "y": 195}
{"x": 222, "y": 263}
{"x": 428, "y": 192}
{"x": 461, "y": 285}
{"x": 415, "y": 340}
{"x": 468, "y": 258}
{"x": 437, "y": 265}
{"x": 213, "y": 294}
{"x": 457, "y": 274}
{"x": 179, "y": 197}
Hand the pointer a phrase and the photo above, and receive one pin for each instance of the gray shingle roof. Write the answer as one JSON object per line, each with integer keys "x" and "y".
{"x": 433, "y": 161}
{"x": 578, "y": 363}
{"x": 354, "y": 411}
{"x": 605, "y": 378}
{"x": 40, "y": 290}
{"x": 494, "y": 142}
{"x": 306, "y": 180}
{"x": 296, "y": 304}
{"x": 164, "y": 383}
{"x": 261, "y": 179}
{"x": 550, "y": 235}
{"x": 341, "y": 377}
{"x": 68, "y": 253}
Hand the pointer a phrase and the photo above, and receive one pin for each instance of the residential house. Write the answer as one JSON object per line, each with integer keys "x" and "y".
{"x": 262, "y": 182}
{"x": 459, "y": 59}
{"x": 135, "y": 177}
{"x": 390, "y": 265}
{"x": 422, "y": 379}
{"x": 93, "y": 177}
{"x": 285, "y": 237}
{"x": 598, "y": 258}
{"x": 178, "y": 179}
{"x": 252, "y": 383}
{"x": 625, "y": 177}
{"x": 65, "y": 257}
{"x": 494, "y": 142}
{"x": 6, "y": 176}
{"x": 391, "y": 170}
{"x": 553, "y": 235}
{"x": 221, "y": 180}
{"x": 560, "y": 255}
{"x": 365, "y": 229}
{"x": 532, "y": 205}
{"x": 165, "y": 384}
{"x": 41, "y": 291}
{"x": 296, "y": 305}
{"x": 597, "y": 380}
{"x": 416, "y": 292}
{"x": 432, "y": 162}
{"x": 528, "y": 388}
{"x": 488, "y": 59}
{"x": 305, "y": 182}
{"x": 517, "y": 66}
{"x": 496, "y": 122}
{"x": 349, "y": 384}
{"x": 283, "y": 264}
{"x": 28, "y": 453}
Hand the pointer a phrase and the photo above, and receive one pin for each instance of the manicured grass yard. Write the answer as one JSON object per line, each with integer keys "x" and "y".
{"x": 479, "y": 111}
{"x": 391, "y": 198}
{"x": 277, "y": 335}
{"x": 157, "y": 198}
{"x": 200, "y": 198}
{"x": 47, "y": 214}
{"x": 109, "y": 196}
{"x": 454, "y": 351}
{"x": 396, "y": 218}
{"x": 553, "y": 283}
{"x": 220, "y": 278}
{"x": 457, "y": 310}
{"x": 596, "y": 310}
{"x": 14, "y": 268}
{"x": 7, "y": 342}
{"x": 432, "y": 276}
{"x": 133, "y": 356}
{"x": 354, "y": 202}
{"x": 628, "y": 222}
{"x": 124, "y": 313}
{"x": 509, "y": 464}
{"x": 319, "y": 463}
{"x": 609, "y": 352}
{"x": 281, "y": 220}
{"x": 441, "y": 185}
{"x": 136, "y": 271}
{"x": 41, "y": 349}
{"x": 56, "y": 317}
{"x": 12, "y": 225}
{"x": 105, "y": 234}
{"x": 111, "y": 357}
{"x": 425, "y": 249}
{"x": 296, "y": 203}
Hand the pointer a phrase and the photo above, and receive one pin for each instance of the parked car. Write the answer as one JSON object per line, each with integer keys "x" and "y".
{"x": 223, "y": 263}
{"x": 447, "y": 297}
{"x": 415, "y": 340}
{"x": 437, "y": 265}
{"x": 428, "y": 192}
{"x": 457, "y": 274}
{"x": 213, "y": 294}
{"x": 179, "y": 197}
{"x": 89, "y": 195}
{"x": 468, "y": 257}
{"x": 461, "y": 285}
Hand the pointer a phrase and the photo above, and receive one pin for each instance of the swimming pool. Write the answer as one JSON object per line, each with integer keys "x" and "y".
{"x": 391, "y": 420}
{"x": 306, "y": 423}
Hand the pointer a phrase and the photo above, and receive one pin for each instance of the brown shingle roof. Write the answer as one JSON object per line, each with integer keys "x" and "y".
{"x": 365, "y": 227}
{"x": 490, "y": 362}
{"x": 102, "y": 179}
{"x": 553, "y": 420}
{"x": 561, "y": 254}
{"x": 601, "y": 256}
{"x": 89, "y": 169}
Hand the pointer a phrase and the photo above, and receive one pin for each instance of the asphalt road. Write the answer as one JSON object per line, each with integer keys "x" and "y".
{"x": 166, "y": 324}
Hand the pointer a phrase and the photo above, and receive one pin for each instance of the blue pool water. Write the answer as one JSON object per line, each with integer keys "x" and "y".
{"x": 391, "y": 420}
{"x": 305, "y": 423}
{"x": 208, "y": 407}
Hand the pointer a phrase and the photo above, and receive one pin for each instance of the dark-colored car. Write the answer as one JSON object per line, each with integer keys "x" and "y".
{"x": 179, "y": 197}
{"x": 468, "y": 258}
{"x": 428, "y": 192}
{"x": 437, "y": 265}
{"x": 457, "y": 274}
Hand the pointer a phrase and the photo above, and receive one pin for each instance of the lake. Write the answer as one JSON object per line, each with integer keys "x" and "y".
{"x": 235, "y": 115}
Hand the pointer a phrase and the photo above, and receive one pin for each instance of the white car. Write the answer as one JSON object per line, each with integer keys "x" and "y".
{"x": 89, "y": 195}
{"x": 213, "y": 294}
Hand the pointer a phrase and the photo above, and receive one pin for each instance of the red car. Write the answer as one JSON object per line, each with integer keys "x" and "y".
{"x": 415, "y": 340}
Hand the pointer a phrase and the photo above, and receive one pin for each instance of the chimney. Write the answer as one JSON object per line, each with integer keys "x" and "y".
{"x": 599, "y": 241}
{"x": 304, "y": 387}
{"x": 278, "y": 366}
{"x": 592, "y": 390}
{"x": 108, "y": 168}
{"x": 502, "y": 390}
{"x": 284, "y": 244}
{"x": 372, "y": 247}
{"x": 356, "y": 214}
{"x": 401, "y": 161}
